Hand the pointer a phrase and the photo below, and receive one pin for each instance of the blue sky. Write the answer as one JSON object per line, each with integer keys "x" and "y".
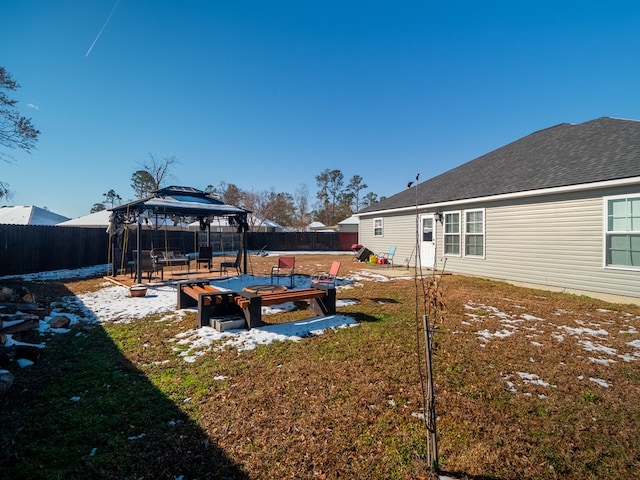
{"x": 268, "y": 94}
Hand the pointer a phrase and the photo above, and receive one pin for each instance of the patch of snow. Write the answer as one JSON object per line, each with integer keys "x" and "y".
{"x": 528, "y": 317}
{"x": 595, "y": 347}
{"x": 601, "y": 361}
{"x": 86, "y": 272}
{"x": 599, "y": 381}
{"x": 533, "y": 379}
{"x": 486, "y": 334}
{"x": 584, "y": 331}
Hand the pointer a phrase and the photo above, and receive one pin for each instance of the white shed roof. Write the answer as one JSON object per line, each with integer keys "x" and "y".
{"x": 352, "y": 220}
{"x": 28, "y": 215}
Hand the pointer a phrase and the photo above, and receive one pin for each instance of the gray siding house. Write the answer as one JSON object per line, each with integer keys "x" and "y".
{"x": 559, "y": 208}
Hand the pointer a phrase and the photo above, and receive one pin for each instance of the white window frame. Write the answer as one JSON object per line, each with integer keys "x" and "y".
{"x": 378, "y": 227}
{"x": 476, "y": 234}
{"x": 458, "y": 233}
{"x": 632, "y": 230}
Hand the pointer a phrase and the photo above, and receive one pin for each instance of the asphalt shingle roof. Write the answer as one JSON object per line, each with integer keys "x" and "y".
{"x": 594, "y": 151}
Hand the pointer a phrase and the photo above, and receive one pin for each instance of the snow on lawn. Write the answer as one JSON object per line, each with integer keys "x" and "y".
{"x": 112, "y": 303}
{"x": 200, "y": 340}
{"x": 590, "y": 336}
{"x": 86, "y": 272}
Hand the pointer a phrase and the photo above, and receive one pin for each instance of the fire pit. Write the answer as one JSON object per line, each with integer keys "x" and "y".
{"x": 138, "y": 290}
{"x": 265, "y": 288}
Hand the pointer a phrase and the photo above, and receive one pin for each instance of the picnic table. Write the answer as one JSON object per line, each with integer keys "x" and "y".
{"x": 215, "y": 302}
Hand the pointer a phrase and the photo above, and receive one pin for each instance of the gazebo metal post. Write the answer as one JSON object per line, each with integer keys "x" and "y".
{"x": 138, "y": 247}
{"x": 244, "y": 249}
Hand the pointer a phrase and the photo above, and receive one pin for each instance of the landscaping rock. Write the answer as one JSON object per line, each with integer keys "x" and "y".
{"x": 6, "y": 380}
{"x": 60, "y": 321}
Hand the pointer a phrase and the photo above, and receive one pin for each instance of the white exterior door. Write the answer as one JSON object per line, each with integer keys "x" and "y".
{"x": 427, "y": 240}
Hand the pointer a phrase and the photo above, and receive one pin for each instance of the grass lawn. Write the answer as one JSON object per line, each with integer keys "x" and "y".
{"x": 529, "y": 385}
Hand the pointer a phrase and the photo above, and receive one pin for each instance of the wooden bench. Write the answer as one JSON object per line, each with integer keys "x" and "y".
{"x": 211, "y": 301}
{"x": 214, "y": 302}
{"x": 171, "y": 258}
{"x": 322, "y": 301}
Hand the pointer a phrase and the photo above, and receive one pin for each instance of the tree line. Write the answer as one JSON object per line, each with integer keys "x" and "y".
{"x": 336, "y": 199}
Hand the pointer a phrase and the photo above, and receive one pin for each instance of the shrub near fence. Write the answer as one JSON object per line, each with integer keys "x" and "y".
{"x": 37, "y": 248}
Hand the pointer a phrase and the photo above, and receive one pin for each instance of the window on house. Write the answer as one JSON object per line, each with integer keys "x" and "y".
{"x": 474, "y": 233}
{"x": 377, "y": 227}
{"x": 427, "y": 229}
{"x": 452, "y": 233}
{"x": 623, "y": 232}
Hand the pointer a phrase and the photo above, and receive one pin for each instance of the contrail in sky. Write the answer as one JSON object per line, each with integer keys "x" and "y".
{"x": 102, "y": 29}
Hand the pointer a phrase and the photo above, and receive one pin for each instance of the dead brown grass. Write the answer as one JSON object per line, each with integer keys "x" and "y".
{"x": 528, "y": 403}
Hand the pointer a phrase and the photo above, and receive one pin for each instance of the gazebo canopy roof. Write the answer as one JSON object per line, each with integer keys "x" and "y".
{"x": 184, "y": 201}
{"x": 171, "y": 202}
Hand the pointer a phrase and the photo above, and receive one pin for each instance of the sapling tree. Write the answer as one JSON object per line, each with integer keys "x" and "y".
{"x": 429, "y": 305}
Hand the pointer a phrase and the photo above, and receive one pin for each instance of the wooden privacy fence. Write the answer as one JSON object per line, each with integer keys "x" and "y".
{"x": 286, "y": 241}
{"x": 36, "y": 248}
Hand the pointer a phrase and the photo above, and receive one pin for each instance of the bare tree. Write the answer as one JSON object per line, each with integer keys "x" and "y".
{"x": 302, "y": 215}
{"x": 253, "y": 202}
{"x": 160, "y": 170}
{"x": 16, "y": 131}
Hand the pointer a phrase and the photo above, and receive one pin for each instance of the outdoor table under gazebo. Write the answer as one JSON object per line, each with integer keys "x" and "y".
{"x": 176, "y": 203}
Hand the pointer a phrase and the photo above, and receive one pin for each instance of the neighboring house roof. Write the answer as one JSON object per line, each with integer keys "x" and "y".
{"x": 595, "y": 151}
{"x": 271, "y": 223}
{"x": 96, "y": 219}
{"x": 316, "y": 225}
{"x": 254, "y": 222}
{"x": 28, "y": 215}
{"x": 102, "y": 219}
{"x": 265, "y": 223}
{"x": 352, "y": 220}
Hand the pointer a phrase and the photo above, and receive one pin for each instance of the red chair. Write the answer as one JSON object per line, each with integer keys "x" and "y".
{"x": 386, "y": 259}
{"x": 285, "y": 268}
{"x": 326, "y": 278}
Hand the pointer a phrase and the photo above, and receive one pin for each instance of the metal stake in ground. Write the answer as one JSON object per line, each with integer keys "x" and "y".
{"x": 430, "y": 407}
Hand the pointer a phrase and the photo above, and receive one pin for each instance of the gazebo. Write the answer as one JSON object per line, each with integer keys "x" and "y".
{"x": 176, "y": 203}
